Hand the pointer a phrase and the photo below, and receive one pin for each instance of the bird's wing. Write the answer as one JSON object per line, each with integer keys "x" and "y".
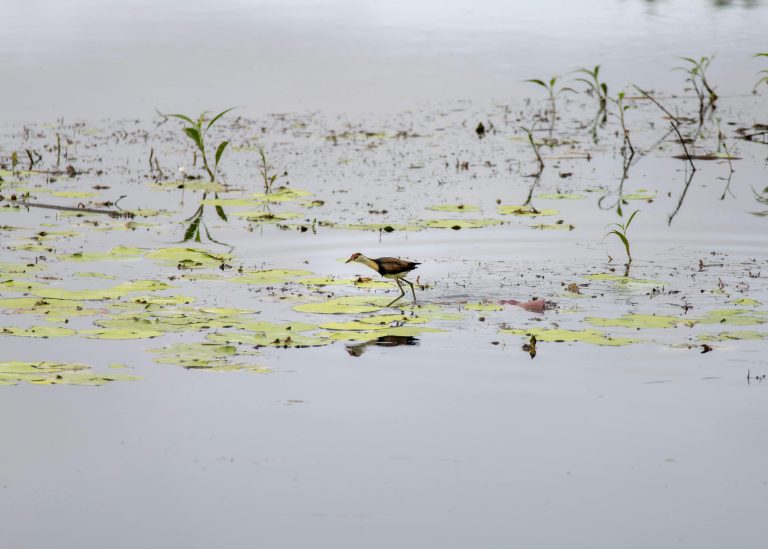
{"x": 392, "y": 265}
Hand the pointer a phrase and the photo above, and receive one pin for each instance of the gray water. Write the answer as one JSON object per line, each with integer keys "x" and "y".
{"x": 462, "y": 440}
{"x": 80, "y": 59}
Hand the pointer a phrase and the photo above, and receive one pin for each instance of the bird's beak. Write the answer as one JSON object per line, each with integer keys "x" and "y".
{"x": 348, "y": 260}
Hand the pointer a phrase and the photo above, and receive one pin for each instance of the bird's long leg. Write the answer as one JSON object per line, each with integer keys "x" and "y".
{"x": 412, "y": 290}
{"x": 402, "y": 293}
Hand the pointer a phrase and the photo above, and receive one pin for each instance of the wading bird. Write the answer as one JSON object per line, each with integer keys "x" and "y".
{"x": 389, "y": 267}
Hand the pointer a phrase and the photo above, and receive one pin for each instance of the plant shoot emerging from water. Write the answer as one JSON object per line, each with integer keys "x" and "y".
{"x": 553, "y": 91}
{"x": 196, "y": 132}
{"x": 596, "y": 87}
{"x": 763, "y": 79}
{"x": 697, "y": 76}
{"x": 265, "y": 169}
{"x": 620, "y": 232}
{"x": 623, "y": 109}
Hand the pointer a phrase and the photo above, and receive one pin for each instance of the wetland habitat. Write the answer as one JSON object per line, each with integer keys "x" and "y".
{"x": 188, "y": 359}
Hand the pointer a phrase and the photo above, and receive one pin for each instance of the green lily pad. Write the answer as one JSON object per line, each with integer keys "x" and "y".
{"x": 116, "y": 333}
{"x": 190, "y": 185}
{"x": 635, "y": 321}
{"x": 641, "y": 194}
{"x": 625, "y": 279}
{"x": 344, "y": 305}
{"x": 265, "y": 217}
{"x": 562, "y": 335}
{"x": 205, "y": 356}
{"x": 270, "y": 276}
{"x": 560, "y": 196}
{"x": 733, "y": 317}
{"x": 189, "y": 258}
{"x": 461, "y": 208}
{"x": 457, "y": 224}
{"x": 528, "y": 211}
{"x": 95, "y": 275}
{"x": 37, "y": 331}
{"x": 553, "y": 227}
{"x": 370, "y": 335}
{"x": 55, "y": 373}
{"x": 115, "y": 254}
{"x": 286, "y": 340}
{"x": 731, "y": 336}
{"x": 281, "y": 194}
{"x": 747, "y": 301}
{"x": 114, "y": 292}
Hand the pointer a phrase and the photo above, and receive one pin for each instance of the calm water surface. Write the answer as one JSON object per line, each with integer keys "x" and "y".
{"x": 81, "y": 59}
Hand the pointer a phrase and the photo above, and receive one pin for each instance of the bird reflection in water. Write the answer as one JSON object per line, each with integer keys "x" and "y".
{"x": 383, "y": 341}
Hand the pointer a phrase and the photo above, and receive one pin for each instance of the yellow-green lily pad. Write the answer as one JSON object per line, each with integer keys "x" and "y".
{"x": 270, "y": 276}
{"x": 55, "y": 373}
{"x": 562, "y": 335}
{"x": 460, "y": 208}
{"x": 189, "y": 258}
{"x": 635, "y": 321}
{"x": 457, "y": 224}
{"x": 344, "y": 305}
{"x": 37, "y": 331}
{"x": 527, "y": 211}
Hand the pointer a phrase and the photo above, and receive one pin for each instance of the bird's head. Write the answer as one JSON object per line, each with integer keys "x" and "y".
{"x": 354, "y": 257}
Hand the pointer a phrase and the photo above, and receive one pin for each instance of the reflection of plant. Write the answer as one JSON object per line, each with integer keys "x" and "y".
{"x": 192, "y": 232}
{"x": 532, "y": 141}
{"x": 621, "y": 233}
{"x": 552, "y": 90}
{"x": 762, "y": 198}
{"x": 599, "y": 89}
{"x": 265, "y": 169}
{"x": 623, "y": 109}
{"x": 763, "y": 79}
{"x": 196, "y": 133}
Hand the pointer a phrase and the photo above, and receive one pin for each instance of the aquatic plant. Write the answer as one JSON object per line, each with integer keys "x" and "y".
{"x": 265, "y": 169}
{"x": 552, "y": 91}
{"x": 596, "y": 87}
{"x": 622, "y": 108}
{"x": 763, "y": 79}
{"x": 197, "y": 133}
{"x": 697, "y": 75}
{"x": 620, "y": 232}
{"x": 532, "y": 141}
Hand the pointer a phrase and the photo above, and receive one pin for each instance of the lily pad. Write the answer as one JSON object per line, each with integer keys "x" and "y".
{"x": 731, "y": 336}
{"x": 55, "y": 373}
{"x": 460, "y": 208}
{"x": 625, "y": 279}
{"x": 270, "y": 276}
{"x": 528, "y": 211}
{"x": 114, "y": 292}
{"x": 189, "y": 258}
{"x": 457, "y": 224}
{"x": 635, "y": 321}
{"x": 115, "y": 254}
{"x": 560, "y": 196}
{"x": 562, "y": 335}
{"x": 344, "y": 305}
{"x": 37, "y": 331}
{"x": 733, "y": 317}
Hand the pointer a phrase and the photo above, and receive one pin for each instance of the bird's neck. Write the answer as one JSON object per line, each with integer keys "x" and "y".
{"x": 369, "y": 262}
